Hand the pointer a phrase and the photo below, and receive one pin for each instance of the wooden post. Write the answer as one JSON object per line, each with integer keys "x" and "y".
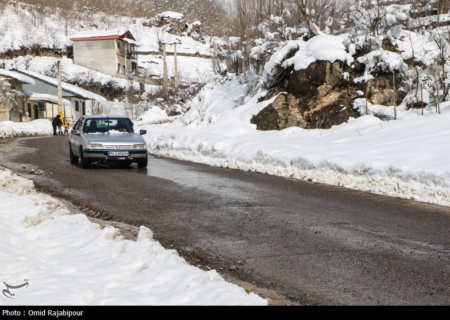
{"x": 176, "y": 65}
{"x": 367, "y": 110}
{"x": 421, "y": 95}
{"x": 165, "y": 84}
{"x": 60, "y": 104}
{"x": 395, "y": 96}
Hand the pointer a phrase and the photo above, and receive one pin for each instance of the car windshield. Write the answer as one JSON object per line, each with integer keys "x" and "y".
{"x": 108, "y": 125}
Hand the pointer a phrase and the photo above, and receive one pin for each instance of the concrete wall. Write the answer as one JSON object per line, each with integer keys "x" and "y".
{"x": 78, "y": 109}
{"x": 103, "y": 56}
{"x": 99, "y": 55}
{"x": 4, "y": 112}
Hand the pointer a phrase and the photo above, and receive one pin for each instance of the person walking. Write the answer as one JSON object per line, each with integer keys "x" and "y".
{"x": 56, "y": 123}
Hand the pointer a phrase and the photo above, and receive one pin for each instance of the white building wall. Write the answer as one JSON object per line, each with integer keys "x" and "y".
{"x": 78, "y": 109}
{"x": 98, "y": 55}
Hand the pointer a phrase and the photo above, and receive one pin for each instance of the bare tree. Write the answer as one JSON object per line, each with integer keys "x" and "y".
{"x": 303, "y": 7}
{"x": 100, "y": 108}
{"x": 243, "y": 19}
{"x": 8, "y": 96}
{"x": 65, "y": 14}
{"x": 441, "y": 67}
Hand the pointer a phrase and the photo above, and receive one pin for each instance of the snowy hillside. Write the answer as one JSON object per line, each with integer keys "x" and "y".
{"x": 45, "y": 31}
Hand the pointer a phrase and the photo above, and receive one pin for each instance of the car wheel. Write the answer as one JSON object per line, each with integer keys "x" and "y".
{"x": 143, "y": 163}
{"x": 85, "y": 163}
{"x": 73, "y": 158}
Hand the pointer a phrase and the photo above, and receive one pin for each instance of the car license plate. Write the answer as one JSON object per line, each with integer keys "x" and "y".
{"x": 118, "y": 153}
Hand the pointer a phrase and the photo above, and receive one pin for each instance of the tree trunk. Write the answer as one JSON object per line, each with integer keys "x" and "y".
{"x": 302, "y": 4}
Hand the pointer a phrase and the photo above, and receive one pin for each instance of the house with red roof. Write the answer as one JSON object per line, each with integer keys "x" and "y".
{"x": 111, "y": 52}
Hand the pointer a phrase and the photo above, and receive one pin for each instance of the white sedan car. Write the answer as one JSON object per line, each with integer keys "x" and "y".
{"x": 107, "y": 139}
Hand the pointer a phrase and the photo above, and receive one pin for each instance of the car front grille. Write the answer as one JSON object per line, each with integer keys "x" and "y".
{"x": 117, "y": 147}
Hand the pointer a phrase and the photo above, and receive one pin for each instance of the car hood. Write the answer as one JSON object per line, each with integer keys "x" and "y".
{"x": 115, "y": 137}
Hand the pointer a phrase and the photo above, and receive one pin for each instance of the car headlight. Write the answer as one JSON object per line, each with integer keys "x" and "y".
{"x": 140, "y": 146}
{"x": 94, "y": 146}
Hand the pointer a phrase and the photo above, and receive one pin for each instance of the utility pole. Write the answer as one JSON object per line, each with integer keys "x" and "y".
{"x": 246, "y": 64}
{"x": 176, "y": 62}
{"x": 165, "y": 84}
{"x": 60, "y": 104}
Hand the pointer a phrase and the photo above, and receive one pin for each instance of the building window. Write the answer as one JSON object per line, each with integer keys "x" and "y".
{"x": 36, "y": 111}
{"x": 77, "y": 106}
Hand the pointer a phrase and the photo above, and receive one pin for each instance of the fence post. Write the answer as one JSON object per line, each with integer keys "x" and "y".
{"x": 421, "y": 95}
{"x": 367, "y": 86}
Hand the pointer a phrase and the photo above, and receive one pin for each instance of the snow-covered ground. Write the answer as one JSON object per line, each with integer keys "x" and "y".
{"x": 50, "y": 257}
{"x": 405, "y": 158}
{"x": 65, "y": 259}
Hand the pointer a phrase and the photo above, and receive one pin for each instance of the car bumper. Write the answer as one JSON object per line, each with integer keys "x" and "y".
{"x": 103, "y": 156}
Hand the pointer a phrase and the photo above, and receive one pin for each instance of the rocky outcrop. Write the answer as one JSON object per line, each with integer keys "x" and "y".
{"x": 284, "y": 112}
{"x": 171, "y": 22}
{"x": 319, "y": 96}
{"x": 174, "y": 23}
{"x": 306, "y": 82}
{"x": 193, "y": 30}
{"x": 381, "y": 90}
{"x": 333, "y": 108}
{"x": 322, "y": 96}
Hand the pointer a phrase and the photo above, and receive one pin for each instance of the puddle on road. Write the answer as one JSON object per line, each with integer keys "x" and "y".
{"x": 187, "y": 176}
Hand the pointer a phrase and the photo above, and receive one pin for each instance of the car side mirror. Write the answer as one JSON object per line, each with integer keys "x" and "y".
{"x": 142, "y": 132}
{"x": 75, "y": 132}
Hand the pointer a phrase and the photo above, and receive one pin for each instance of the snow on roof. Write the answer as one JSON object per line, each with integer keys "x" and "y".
{"x": 66, "y": 86}
{"x": 129, "y": 41}
{"x": 102, "y": 34}
{"x": 18, "y": 76}
{"x": 33, "y": 96}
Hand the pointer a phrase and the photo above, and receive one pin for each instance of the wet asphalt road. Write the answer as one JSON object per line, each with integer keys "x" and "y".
{"x": 309, "y": 243}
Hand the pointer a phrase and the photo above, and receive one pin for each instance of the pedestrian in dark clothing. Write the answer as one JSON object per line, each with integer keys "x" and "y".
{"x": 56, "y": 123}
